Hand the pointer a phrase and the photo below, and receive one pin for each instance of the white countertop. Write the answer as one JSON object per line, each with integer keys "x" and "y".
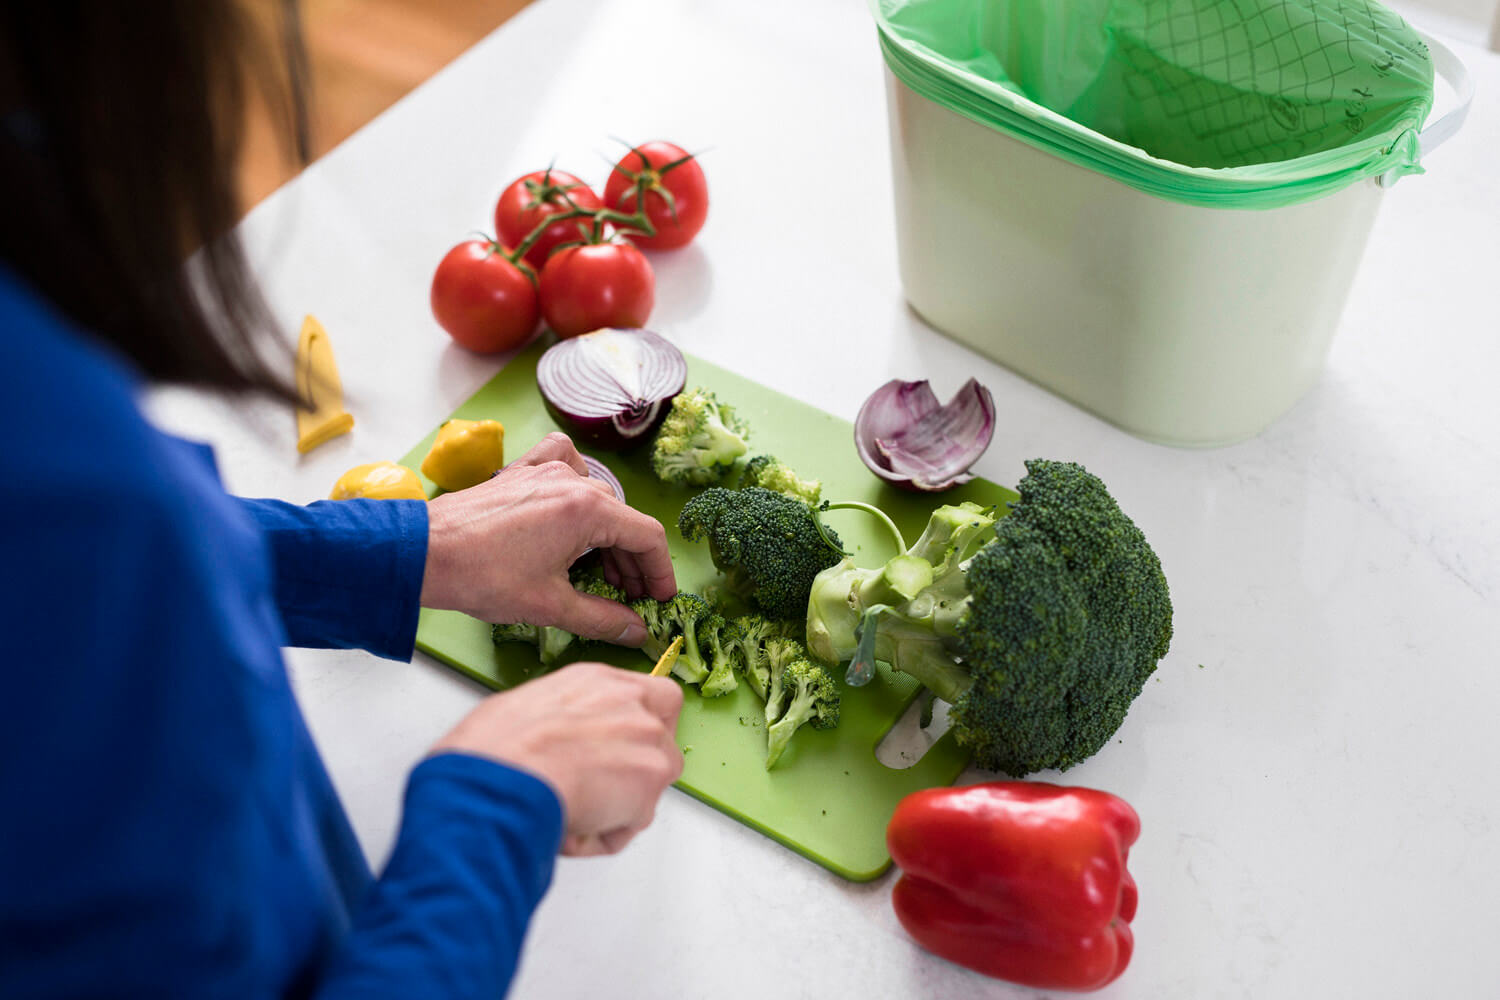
{"x": 1312, "y": 762}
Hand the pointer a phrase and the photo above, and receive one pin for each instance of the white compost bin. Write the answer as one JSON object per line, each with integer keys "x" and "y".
{"x": 1130, "y": 292}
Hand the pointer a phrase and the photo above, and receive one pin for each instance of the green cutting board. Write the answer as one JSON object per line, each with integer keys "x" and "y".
{"x": 828, "y": 798}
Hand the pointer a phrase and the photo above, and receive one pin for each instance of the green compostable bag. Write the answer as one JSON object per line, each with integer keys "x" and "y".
{"x": 1233, "y": 103}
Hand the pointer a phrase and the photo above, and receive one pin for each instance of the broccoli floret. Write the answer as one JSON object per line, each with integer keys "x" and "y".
{"x": 768, "y": 473}
{"x": 780, "y": 654}
{"x": 660, "y": 629}
{"x": 768, "y": 545}
{"x": 812, "y": 697}
{"x": 699, "y": 440}
{"x": 1040, "y": 640}
{"x": 722, "y": 637}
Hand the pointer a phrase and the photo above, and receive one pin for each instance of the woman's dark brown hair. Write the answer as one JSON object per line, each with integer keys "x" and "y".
{"x": 120, "y": 129}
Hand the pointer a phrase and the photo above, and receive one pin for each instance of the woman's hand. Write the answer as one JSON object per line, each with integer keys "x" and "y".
{"x": 500, "y": 551}
{"x": 602, "y": 737}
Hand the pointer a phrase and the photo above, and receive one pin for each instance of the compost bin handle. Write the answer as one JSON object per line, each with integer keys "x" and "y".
{"x": 1446, "y": 64}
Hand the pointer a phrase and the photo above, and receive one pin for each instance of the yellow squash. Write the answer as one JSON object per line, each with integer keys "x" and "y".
{"x": 465, "y": 453}
{"x": 378, "y": 481}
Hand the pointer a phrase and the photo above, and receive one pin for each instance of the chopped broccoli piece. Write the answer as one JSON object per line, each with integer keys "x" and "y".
{"x": 768, "y": 545}
{"x": 722, "y": 637}
{"x": 1040, "y": 633}
{"x": 812, "y": 697}
{"x": 769, "y": 473}
{"x": 551, "y": 642}
{"x": 751, "y": 632}
{"x": 780, "y": 653}
{"x": 686, "y": 612}
{"x": 699, "y": 440}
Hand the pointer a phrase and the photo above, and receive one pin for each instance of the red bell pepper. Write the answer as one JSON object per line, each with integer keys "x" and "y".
{"x": 1019, "y": 880}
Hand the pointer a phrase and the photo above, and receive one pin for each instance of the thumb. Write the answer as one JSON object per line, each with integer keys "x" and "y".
{"x": 592, "y": 617}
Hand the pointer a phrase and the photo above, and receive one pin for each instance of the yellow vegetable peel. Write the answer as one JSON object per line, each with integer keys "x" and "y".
{"x": 664, "y": 665}
{"x": 318, "y": 383}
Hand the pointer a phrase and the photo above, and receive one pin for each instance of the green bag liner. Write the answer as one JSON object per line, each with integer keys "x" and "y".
{"x": 1222, "y": 103}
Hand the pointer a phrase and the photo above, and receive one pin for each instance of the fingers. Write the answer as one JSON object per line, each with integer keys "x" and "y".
{"x": 662, "y": 697}
{"x": 557, "y": 447}
{"x": 627, "y": 531}
{"x": 599, "y": 618}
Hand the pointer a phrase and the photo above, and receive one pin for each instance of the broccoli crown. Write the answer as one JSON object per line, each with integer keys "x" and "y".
{"x": 699, "y": 440}
{"x": 723, "y": 640}
{"x": 768, "y": 545}
{"x": 768, "y": 473}
{"x": 1070, "y": 613}
{"x": 812, "y": 698}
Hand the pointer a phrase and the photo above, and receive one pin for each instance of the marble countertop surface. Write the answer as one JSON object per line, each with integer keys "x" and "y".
{"x": 1313, "y": 761}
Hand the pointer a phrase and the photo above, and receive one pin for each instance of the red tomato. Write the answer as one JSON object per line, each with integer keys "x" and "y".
{"x": 676, "y": 193}
{"x": 586, "y": 288}
{"x": 531, "y": 200}
{"x": 485, "y": 302}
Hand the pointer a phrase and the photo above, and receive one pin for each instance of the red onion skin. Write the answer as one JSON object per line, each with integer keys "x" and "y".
{"x": 602, "y": 431}
{"x": 899, "y": 404}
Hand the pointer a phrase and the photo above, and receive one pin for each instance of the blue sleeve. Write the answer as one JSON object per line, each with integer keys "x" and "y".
{"x": 347, "y": 574}
{"x": 474, "y": 857}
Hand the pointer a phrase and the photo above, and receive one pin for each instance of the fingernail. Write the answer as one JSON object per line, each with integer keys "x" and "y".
{"x": 633, "y": 635}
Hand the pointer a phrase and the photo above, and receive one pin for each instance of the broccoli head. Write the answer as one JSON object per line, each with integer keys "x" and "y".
{"x": 1040, "y": 635}
{"x": 811, "y": 697}
{"x": 768, "y": 545}
{"x": 768, "y": 473}
{"x": 699, "y": 440}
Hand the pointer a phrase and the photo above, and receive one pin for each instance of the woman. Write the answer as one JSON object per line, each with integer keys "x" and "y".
{"x": 168, "y": 828}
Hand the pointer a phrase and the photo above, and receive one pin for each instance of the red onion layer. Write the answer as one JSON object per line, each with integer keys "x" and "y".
{"x": 906, "y": 437}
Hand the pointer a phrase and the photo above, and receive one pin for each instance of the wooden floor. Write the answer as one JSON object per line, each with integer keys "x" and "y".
{"x": 363, "y": 56}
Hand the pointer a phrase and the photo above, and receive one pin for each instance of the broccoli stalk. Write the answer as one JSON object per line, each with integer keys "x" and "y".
{"x": 699, "y": 440}
{"x": 780, "y": 654}
{"x": 812, "y": 697}
{"x": 1039, "y": 633}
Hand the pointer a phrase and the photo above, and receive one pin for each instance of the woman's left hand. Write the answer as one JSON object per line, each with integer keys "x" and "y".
{"x": 500, "y": 551}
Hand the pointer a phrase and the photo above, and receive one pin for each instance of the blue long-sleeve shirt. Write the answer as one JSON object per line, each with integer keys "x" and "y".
{"x": 167, "y": 827}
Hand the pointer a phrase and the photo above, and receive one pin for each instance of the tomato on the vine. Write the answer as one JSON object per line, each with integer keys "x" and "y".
{"x": 531, "y": 200}
{"x": 485, "y": 301}
{"x": 586, "y": 288}
{"x": 676, "y": 193}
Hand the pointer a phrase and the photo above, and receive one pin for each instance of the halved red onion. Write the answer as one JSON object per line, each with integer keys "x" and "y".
{"x": 908, "y": 438}
{"x": 611, "y": 388}
{"x": 598, "y": 470}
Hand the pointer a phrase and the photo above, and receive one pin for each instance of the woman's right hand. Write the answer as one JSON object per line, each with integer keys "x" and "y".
{"x": 601, "y": 736}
